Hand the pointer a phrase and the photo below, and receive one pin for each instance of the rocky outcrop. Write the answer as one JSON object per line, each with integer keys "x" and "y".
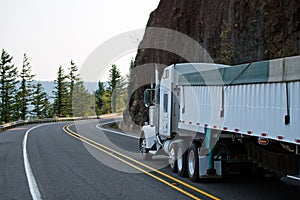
{"x": 256, "y": 29}
{"x": 231, "y": 31}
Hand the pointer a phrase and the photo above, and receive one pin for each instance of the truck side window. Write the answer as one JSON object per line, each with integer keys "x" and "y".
{"x": 165, "y": 103}
{"x": 166, "y": 74}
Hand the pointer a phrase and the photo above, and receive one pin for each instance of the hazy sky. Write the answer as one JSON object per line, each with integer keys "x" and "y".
{"x": 55, "y": 31}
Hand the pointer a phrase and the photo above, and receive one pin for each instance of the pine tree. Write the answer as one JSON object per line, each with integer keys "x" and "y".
{"x": 61, "y": 94}
{"x": 135, "y": 94}
{"x": 131, "y": 76}
{"x": 121, "y": 94}
{"x": 99, "y": 97}
{"x": 73, "y": 78}
{"x": 8, "y": 81}
{"x": 40, "y": 102}
{"x": 114, "y": 79}
{"x": 73, "y": 75}
{"x": 83, "y": 101}
{"x": 24, "y": 94}
{"x": 106, "y": 106}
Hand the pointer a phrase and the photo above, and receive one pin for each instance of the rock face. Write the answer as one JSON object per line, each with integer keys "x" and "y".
{"x": 231, "y": 31}
{"x": 252, "y": 29}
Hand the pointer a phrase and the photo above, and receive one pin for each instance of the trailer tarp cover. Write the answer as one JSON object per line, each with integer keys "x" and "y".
{"x": 278, "y": 70}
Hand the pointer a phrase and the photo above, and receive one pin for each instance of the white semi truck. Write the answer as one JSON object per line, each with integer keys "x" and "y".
{"x": 213, "y": 119}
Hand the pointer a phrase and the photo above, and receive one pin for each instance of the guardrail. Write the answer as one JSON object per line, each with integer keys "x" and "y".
{"x": 11, "y": 125}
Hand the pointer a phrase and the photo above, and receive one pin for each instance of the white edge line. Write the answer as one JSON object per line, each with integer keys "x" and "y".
{"x": 98, "y": 126}
{"x": 294, "y": 177}
{"x": 33, "y": 187}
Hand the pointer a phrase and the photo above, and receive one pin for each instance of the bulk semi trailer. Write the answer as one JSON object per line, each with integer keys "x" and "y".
{"x": 213, "y": 119}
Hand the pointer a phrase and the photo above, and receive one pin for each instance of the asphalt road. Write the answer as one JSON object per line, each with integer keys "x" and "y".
{"x": 73, "y": 167}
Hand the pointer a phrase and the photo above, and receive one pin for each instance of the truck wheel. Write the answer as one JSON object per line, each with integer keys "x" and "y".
{"x": 193, "y": 163}
{"x": 145, "y": 152}
{"x": 173, "y": 158}
{"x": 181, "y": 160}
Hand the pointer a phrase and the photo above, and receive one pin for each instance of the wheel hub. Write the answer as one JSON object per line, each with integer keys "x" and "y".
{"x": 172, "y": 157}
{"x": 143, "y": 145}
{"x": 191, "y": 163}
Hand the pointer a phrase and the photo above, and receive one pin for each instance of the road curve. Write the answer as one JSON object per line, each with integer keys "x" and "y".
{"x": 66, "y": 168}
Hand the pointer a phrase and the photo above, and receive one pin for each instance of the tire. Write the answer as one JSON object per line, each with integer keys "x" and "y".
{"x": 145, "y": 152}
{"x": 193, "y": 163}
{"x": 181, "y": 160}
{"x": 173, "y": 158}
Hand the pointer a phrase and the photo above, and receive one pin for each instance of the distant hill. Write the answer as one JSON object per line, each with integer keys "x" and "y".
{"x": 49, "y": 87}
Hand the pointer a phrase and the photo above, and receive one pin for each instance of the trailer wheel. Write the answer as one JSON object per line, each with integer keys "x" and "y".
{"x": 181, "y": 160}
{"x": 145, "y": 152}
{"x": 193, "y": 163}
{"x": 173, "y": 158}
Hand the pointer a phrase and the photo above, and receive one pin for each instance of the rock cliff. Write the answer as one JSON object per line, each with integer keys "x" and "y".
{"x": 232, "y": 32}
{"x": 253, "y": 29}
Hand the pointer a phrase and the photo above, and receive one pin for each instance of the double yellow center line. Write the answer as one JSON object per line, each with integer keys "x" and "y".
{"x": 121, "y": 157}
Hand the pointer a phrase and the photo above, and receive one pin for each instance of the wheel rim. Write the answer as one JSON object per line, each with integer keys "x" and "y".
{"x": 191, "y": 163}
{"x": 172, "y": 157}
{"x": 179, "y": 160}
{"x": 143, "y": 145}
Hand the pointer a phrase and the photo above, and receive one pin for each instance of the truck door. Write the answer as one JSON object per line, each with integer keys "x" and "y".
{"x": 165, "y": 116}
